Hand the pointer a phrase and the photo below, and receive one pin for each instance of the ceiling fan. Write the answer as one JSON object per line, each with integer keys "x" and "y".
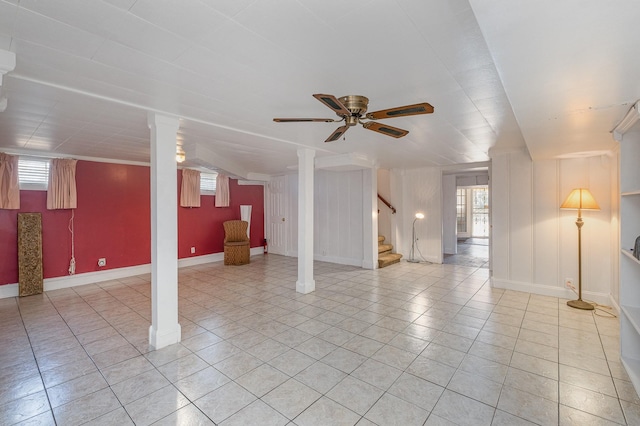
{"x": 353, "y": 108}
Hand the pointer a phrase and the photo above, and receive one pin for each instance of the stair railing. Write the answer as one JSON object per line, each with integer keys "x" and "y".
{"x": 388, "y": 204}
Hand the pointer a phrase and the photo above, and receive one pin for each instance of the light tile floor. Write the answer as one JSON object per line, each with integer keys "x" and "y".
{"x": 472, "y": 252}
{"x": 410, "y": 344}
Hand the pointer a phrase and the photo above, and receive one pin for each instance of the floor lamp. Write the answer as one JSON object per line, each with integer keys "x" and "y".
{"x": 413, "y": 239}
{"x": 580, "y": 199}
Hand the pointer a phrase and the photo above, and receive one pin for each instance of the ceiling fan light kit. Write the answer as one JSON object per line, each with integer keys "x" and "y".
{"x": 353, "y": 108}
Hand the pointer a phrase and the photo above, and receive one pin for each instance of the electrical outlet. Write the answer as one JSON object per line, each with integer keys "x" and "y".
{"x": 568, "y": 282}
{"x": 193, "y": 250}
{"x": 102, "y": 262}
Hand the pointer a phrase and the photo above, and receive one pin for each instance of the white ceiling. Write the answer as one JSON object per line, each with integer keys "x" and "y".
{"x": 551, "y": 75}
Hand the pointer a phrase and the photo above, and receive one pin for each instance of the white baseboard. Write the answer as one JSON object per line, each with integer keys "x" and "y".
{"x": 199, "y": 260}
{"x": 8, "y": 290}
{"x": 547, "y": 290}
{"x": 56, "y": 283}
{"x": 432, "y": 259}
{"x": 614, "y": 305}
{"x": 369, "y": 265}
{"x": 256, "y": 251}
{"x": 339, "y": 260}
{"x": 95, "y": 277}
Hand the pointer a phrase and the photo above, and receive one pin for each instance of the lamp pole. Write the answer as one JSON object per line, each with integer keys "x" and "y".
{"x": 580, "y": 304}
{"x": 580, "y": 199}
{"x": 413, "y": 239}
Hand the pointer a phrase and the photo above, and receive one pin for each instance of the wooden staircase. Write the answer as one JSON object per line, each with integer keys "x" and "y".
{"x": 385, "y": 255}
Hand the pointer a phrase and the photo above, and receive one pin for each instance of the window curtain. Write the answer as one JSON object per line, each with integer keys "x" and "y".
{"x": 222, "y": 190}
{"x": 190, "y": 190}
{"x": 61, "y": 192}
{"x": 9, "y": 186}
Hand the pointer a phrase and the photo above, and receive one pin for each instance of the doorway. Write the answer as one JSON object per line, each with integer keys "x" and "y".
{"x": 472, "y": 211}
{"x": 472, "y": 227}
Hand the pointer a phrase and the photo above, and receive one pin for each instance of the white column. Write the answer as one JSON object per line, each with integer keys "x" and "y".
{"x": 370, "y": 218}
{"x": 449, "y": 216}
{"x": 7, "y": 64}
{"x": 164, "y": 329}
{"x": 305, "y": 283}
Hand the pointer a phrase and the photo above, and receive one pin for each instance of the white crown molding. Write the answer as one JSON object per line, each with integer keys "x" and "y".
{"x": 631, "y": 117}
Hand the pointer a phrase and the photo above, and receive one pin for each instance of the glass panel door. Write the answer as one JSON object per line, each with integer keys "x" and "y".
{"x": 480, "y": 212}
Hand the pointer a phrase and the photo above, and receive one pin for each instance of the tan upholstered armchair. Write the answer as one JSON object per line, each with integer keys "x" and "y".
{"x": 236, "y": 242}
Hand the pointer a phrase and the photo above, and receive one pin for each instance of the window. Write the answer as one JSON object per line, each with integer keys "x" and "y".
{"x": 208, "y": 183}
{"x": 33, "y": 173}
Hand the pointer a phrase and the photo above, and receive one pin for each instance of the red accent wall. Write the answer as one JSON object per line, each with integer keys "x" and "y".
{"x": 113, "y": 220}
{"x": 201, "y": 227}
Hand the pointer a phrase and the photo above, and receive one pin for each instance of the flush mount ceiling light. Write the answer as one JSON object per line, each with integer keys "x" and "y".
{"x": 180, "y": 155}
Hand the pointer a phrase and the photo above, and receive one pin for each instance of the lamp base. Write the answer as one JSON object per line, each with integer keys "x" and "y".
{"x": 413, "y": 260}
{"x": 581, "y": 304}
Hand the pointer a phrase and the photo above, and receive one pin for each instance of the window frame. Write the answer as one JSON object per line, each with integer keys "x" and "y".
{"x": 206, "y": 177}
{"x": 42, "y": 175}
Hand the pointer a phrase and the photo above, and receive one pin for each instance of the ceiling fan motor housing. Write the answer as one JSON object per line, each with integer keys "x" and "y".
{"x": 357, "y": 105}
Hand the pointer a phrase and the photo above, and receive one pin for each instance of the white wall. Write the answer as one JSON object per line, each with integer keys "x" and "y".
{"x": 449, "y": 215}
{"x": 615, "y": 229}
{"x": 339, "y": 216}
{"x": 421, "y": 192}
{"x": 534, "y": 246}
{"x": 292, "y": 206}
{"x": 385, "y": 214}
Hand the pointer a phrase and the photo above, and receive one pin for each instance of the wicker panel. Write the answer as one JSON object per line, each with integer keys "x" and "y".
{"x": 236, "y": 243}
{"x": 29, "y": 254}
{"x": 236, "y": 254}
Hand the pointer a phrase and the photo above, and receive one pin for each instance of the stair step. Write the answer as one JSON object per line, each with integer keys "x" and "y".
{"x": 388, "y": 259}
{"x": 380, "y": 239}
{"x": 384, "y": 247}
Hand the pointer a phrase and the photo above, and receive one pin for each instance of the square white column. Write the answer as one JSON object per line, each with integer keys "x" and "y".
{"x": 370, "y": 219}
{"x": 164, "y": 329}
{"x": 305, "y": 283}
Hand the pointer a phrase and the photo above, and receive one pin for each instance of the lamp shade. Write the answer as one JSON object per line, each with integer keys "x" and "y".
{"x": 419, "y": 216}
{"x": 580, "y": 199}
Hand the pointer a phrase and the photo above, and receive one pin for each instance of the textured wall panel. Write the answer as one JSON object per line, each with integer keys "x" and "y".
{"x": 29, "y": 254}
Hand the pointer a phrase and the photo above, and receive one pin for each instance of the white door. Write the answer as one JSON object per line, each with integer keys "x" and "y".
{"x": 276, "y": 216}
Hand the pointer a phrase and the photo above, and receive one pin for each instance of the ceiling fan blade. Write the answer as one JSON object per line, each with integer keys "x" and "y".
{"x": 296, "y": 120}
{"x": 423, "y": 108}
{"x": 337, "y": 133}
{"x": 385, "y": 130}
{"x": 333, "y": 103}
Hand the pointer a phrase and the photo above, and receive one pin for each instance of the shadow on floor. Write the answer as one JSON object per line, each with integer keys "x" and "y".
{"x": 471, "y": 252}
